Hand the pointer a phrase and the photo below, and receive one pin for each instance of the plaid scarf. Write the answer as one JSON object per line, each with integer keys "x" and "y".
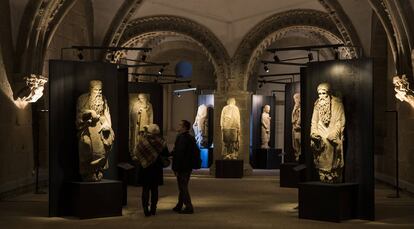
{"x": 148, "y": 148}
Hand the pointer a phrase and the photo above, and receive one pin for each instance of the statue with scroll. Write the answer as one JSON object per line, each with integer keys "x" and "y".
{"x": 265, "y": 127}
{"x": 200, "y": 126}
{"x": 327, "y": 135}
{"x": 296, "y": 129}
{"x": 230, "y": 128}
{"x": 93, "y": 122}
{"x": 141, "y": 114}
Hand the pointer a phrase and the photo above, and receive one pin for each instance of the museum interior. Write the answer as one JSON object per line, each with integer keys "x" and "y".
{"x": 301, "y": 113}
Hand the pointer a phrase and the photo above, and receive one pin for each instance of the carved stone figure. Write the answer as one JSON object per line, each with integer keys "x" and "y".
{"x": 200, "y": 126}
{"x": 402, "y": 89}
{"x": 265, "y": 130}
{"x": 33, "y": 91}
{"x": 327, "y": 135}
{"x": 296, "y": 130}
{"x": 230, "y": 128}
{"x": 141, "y": 114}
{"x": 93, "y": 122}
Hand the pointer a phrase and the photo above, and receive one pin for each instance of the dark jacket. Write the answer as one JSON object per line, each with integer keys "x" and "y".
{"x": 183, "y": 153}
{"x": 153, "y": 174}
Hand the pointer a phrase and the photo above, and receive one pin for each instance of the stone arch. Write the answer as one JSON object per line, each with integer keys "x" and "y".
{"x": 273, "y": 28}
{"x": 40, "y": 21}
{"x": 159, "y": 25}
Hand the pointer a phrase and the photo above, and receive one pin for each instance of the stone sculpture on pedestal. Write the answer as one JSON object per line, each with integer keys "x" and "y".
{"x": 93, "y": 122}
{"x": 230, "y": 128}
{"x": 200, "y": 126}
{"x": 265, "y": 127}
{"x": 141, "y": 114}
{"x": 296, "y": 129}
{"x": 327, "y": 135}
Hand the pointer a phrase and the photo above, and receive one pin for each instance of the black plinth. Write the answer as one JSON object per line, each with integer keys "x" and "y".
{"x": 291, "y": 174}
{"x": 267, "y": 158}
{"x": 229, "y": 168}
{"x": 96, "y": 199}
{"x": 328, "y": 202}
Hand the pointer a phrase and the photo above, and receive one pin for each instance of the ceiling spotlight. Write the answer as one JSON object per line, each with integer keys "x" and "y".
{"x": 336, "y": 53}
{"x": 80, "y": 54}
{"x": 161, "y": 71}
{"x": 260, "y": 85}
{"x": 143, "y": 57}
{"x": 310, "y": 56}
{"x": 276, "y": 58}
{"x": 189, "y": 85}
{"x": 266, "y": 68}
{"x": 178, "y": 95}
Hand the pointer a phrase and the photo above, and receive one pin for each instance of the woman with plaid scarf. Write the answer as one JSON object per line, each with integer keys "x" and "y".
{"x": 148, "y": 153}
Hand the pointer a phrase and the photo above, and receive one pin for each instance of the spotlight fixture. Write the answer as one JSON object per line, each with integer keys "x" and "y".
{"x": 310, "y": 56}
{"x": 260, "y": 85}
{"x": 189, "y": 85}
{"x": 276, "y": 58}
{"x": 178, "y": 95}
{"x": 80, "y": 54}
{"x": 266, "y": 68}
{"x": 143, "y": 57}
{"x": 336, "y": 53}
{"x": 161, "y": 71}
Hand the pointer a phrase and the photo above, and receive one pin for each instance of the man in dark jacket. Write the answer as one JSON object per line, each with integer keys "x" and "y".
{"x": 183, "y": 165}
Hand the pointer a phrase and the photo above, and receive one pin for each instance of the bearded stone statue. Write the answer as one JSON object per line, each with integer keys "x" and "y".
{"x": 265, "y": 128}
{"x": 93, "y": 122}
{"x": 327, "y": 135}
{"x": 230, "y": 128}
{"x": 296, "y": 129}
{"x": 141, "y": 114}
{"x": 200, "y": 126}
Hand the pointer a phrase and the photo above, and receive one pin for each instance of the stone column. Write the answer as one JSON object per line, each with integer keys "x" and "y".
{"x": 243, "y": 102}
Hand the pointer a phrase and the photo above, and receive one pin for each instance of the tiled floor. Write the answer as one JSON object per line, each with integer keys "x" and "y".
{"x": 252, "y": 202}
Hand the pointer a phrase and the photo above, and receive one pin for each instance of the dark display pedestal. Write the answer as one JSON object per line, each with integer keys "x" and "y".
{"x": 267, "y": 158}
{"x": 328, "y": 202}
{"x": 96, "y": 199}
{"x": 229, "y": 168}
{"x": 291, "y": 174}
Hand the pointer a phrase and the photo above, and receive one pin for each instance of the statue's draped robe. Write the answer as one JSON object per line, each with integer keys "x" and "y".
{"x": 296, "y": 132}
{"x": 95, "y": 138}
{"x": 265, "y": 130}
{"x": 230, "y": 126}
{"x": 328, "y": 156}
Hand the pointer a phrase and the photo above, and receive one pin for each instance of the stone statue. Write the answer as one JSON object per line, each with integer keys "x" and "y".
{"x": 402, "y": 89}
{"x": 327, "y": 135}
{"x": 230, "y": 128}
{"x": 200, "y": 126}
{"x": 141, "y": 114}
{"x": 35, "y": 84}
{"x": 265, "y": 127}
{"x": 296, "y": 126}
{"x": 93, "y": 122}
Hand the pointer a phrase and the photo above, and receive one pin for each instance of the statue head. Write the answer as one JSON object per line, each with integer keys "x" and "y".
{"x": 266, "y": 108}
{"x": 296, "y": 98}
{"x": 143, "y": 97}
{"x": 95, "y": 87}
{"x": 324, "y": 90}
{"x": 231, "y": 101}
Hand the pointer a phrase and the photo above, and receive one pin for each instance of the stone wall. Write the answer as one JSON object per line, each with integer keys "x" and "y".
{"x": 16, "y": 161}
{"x": 16, "y": 146}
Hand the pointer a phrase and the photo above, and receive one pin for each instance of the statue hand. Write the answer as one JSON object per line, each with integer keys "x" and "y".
{"x": 315, "y": 137}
